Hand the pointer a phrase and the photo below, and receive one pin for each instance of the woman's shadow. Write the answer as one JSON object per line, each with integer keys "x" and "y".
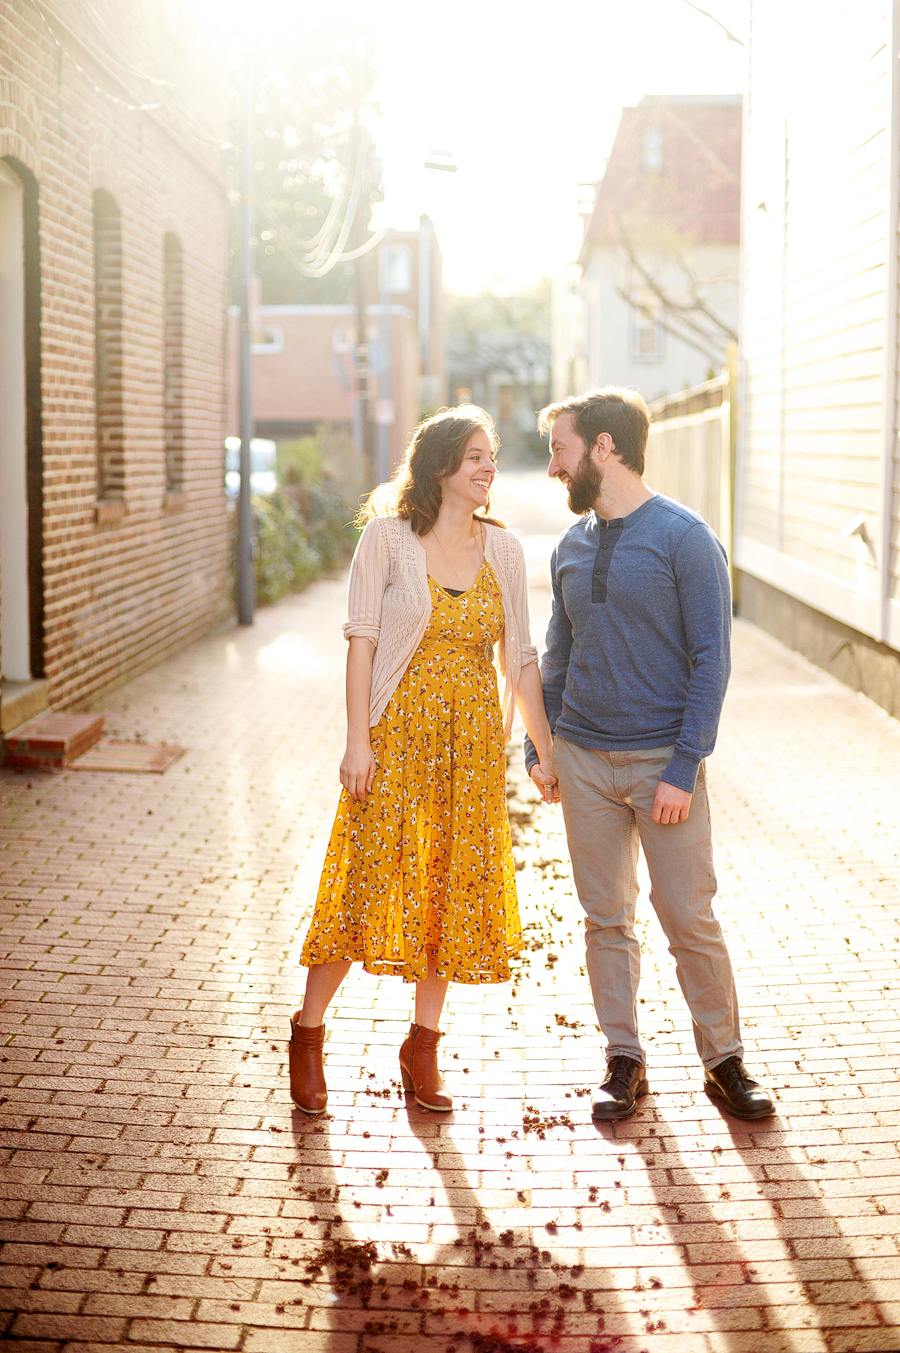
{"x": 471, "y": 1286}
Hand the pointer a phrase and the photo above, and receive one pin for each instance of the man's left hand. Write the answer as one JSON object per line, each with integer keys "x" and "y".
{"x": 543, "y": 776}
{"x": 671, "y": 804}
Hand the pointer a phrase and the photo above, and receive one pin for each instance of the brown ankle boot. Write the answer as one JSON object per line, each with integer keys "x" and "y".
{"x": 419, "y": 1069}
{"x": 308, "y": 1089}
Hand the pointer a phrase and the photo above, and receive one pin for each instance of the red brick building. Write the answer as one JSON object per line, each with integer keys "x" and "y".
{"x": 304, "y": 375}
{"x": 113, "y": 276}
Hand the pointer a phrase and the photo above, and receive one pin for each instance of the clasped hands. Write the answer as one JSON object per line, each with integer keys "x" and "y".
{"x": 543, "y": 776}
{"x": 670, "y": 804}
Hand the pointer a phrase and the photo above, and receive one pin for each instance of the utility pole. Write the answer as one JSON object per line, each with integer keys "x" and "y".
{"x": 370, "y": 190}
{"x": 246, "y": 572}
{"x": 426, "y": 231}
{"x": 385, "y": 413}
{"x": 441, "y": 160}
{"x": 361, "y": 359}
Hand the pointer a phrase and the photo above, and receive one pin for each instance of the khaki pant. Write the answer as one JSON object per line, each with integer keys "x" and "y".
{"x": 607, "y": 800}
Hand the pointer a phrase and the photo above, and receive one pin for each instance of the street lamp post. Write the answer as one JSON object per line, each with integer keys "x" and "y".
{"x": 441, "y": 160}
{"x": 246, "y": 573}
{"x": 384, "y": 411}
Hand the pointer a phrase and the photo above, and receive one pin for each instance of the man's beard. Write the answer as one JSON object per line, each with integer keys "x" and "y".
{"x": 584, "y": 486}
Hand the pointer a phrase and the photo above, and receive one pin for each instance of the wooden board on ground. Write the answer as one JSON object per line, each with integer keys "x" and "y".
{"x": 128, "y": 756}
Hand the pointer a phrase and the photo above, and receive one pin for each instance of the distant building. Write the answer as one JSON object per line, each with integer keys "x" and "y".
{"x": 817, "y": 537}
{"x": 511, "y": 394}
{"x": 498, "y": 356}
{"x": 304, "y": 366}
{"x": 113, "y": 272}
{"x": 653, "y": 302}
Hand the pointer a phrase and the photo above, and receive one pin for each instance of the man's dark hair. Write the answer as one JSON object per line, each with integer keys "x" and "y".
{"x": 621, "y": 412}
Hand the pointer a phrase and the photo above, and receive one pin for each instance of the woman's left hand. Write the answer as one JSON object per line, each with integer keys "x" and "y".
{"x": 543, "y": 776}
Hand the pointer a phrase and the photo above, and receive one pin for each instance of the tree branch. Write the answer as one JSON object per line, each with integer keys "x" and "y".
{"x": 732, "y": 37}
{"x": 709, "y": 353}
{"x": 681, "y": 308}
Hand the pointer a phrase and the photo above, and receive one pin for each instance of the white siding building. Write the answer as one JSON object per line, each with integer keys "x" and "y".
{"x": 818, "y": 508}
{"x": 654, "y": 301}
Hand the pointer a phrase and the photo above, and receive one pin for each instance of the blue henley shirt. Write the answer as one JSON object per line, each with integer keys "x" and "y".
{"x": 638, "y": 646}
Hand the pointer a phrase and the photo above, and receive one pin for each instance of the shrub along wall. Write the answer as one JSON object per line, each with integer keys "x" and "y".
{"x": 301, "y": 533}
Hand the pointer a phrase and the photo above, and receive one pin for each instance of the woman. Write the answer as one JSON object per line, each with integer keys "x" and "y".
{"x": 418, "y": 877}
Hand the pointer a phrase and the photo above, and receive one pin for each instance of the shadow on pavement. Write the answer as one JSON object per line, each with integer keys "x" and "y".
{"x": 792, "y": 1185}
{"x": 479, "y": 1290}
{"x": 726, "y": 1280}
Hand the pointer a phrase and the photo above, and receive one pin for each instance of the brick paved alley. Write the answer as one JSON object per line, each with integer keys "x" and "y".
{"x": 160, "y": 1193}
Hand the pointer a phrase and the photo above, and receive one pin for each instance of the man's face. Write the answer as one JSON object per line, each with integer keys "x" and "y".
{"x": 572, "y": 464}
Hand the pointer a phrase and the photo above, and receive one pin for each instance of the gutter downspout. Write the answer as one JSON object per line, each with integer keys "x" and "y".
{"x": 890, "y": 391}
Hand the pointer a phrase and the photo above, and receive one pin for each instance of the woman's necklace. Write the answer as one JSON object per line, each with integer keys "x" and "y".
{"x": 449, "y": 564}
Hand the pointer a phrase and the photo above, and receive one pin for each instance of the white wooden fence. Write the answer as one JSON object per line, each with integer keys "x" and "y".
{"x": 690, "y": 453}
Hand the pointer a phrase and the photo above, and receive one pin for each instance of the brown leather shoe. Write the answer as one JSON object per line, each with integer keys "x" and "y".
{"x": 419, "y": 1069}
{"x": 308, "y": 1089}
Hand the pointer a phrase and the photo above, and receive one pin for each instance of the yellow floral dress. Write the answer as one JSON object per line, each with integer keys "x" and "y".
{"x": 425, "y": 865}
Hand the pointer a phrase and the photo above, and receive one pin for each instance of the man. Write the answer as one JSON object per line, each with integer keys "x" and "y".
{"x": 635, "y": 670}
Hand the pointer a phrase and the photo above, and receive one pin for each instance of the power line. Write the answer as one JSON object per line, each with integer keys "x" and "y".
{"x": 168, "y": 104}
{"x": 123, "y": 103}
{"x": 326, "y": 228}
{"x": 100, "y": 23}
{"x": 322, "y": 255}
{"x": 334, "y": 259}
{"x": 321, "y": 266}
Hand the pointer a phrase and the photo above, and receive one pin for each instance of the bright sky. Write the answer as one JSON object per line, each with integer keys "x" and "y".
{"x": 526, "y": 98}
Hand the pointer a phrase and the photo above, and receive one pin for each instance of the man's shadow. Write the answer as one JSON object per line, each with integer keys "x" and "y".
{"x": 806, "y": 1201}
{"x": 727, "y": 1283}
{"x": 476, "y": 1288}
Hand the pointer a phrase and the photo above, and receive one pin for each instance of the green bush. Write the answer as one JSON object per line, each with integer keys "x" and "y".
{"x": 286, "y": 561}
{"x": 300, "y": 534}
{"x": 329, "y": 521}
{"x": 299, "y": 463}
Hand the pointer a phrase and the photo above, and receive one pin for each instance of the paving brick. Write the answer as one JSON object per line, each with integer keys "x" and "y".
{"x": 51, "y": 1326}
{"x": 33, "y": 1345}
{"x": 180, "y": 1334}
{"x": 313, "y": 1341}
{"x": 172, "y": 1192}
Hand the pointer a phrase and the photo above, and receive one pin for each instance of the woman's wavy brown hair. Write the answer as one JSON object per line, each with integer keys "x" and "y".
{"x": 435, "y": 451}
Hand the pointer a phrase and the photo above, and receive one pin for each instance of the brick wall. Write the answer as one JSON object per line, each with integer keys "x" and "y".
{"x": 130, "y": 577}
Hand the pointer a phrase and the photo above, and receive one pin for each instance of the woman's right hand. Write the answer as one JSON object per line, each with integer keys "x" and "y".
{"x": 544, "y": 777}
{"x": 358, "y": 771}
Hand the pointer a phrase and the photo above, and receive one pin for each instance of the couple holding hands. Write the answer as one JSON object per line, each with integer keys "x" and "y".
{"x": 419, "y": 878}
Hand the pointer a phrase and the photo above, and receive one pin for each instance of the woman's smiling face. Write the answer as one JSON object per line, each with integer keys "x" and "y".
{"x": 471, "y": 483}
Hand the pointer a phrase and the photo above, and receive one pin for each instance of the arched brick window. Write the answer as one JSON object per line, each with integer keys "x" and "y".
{"x": 173, "y": 362}
{"x": 108, "y": 363}
{"x": 21, "y": 426}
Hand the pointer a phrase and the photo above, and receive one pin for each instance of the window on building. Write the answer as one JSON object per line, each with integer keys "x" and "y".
{"x": 505, "y": 404}
{"x": 647, "y": 333}
{"x": 267, "y": 339}
{"x": 108, "y": 364}
{"x": 398, "y": 269}
{"x": 173, "y": 362}
{"x": 652, "y": 151}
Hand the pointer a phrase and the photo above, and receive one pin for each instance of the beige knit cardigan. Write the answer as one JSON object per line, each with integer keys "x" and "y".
{"x": 389, "y": 602}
